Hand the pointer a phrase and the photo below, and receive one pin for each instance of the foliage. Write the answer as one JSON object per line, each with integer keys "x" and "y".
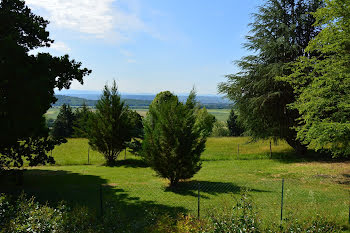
{"x": 280, "y": 32}
{"x": 81, "y": 122}
{"x": 181, "y": 224}
{"x": 233, "y": 125}
{"x": 318, "y": 224}
{"x": 33, "y": 149}
{"x": 63, "y": 125}
{"x": 135, "y": 145}
{"x": 241, "y": 218}
{"x": 220, "y": 130}
{"x": 322, "y": 82}
{"x": 205, "y": 120}
{"x": 34, "y": 77}
{"x": 26, "y": 215}
{"x": 110, "y": 127}
{"x": 174, "y": 137}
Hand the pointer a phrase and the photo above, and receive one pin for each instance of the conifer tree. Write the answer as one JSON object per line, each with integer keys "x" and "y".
{"x": 280, "y": 32}
{"x": 174, "y": 139}
{"x": 110, "y": 127}
{"x": 63, "y": 125}
{"x": 234, "y": 126}
{"x": 81, "y": 122}
{"x": 135, "y": 145}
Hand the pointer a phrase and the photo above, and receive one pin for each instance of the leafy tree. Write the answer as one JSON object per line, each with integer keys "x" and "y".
{"x": 220, "y": 130}
{"x": 29, "y": 79}
{"x": 233, "y": 125}
{"x": 81, "y": 122}
{"x": 280, "y": 32}
{"x": 174, "y": 139}
{"x": 63, "y": 125}
{"x": 111, "y": 128}
{"x": 322, "y": 83}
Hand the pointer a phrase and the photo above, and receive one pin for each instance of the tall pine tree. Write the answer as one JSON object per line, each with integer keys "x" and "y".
{"x": 280, "y": 32}
{"x": 111, "y": 127}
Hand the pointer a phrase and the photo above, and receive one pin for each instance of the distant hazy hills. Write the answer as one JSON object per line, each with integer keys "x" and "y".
{"x": 77, "y": 101}
{"x": 136, "y": 101}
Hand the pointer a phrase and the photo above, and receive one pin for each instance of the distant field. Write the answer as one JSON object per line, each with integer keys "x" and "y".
{"x": 220, "y": 114}
{"x": 52, "y": 113}
{"x": 312, "y": 188}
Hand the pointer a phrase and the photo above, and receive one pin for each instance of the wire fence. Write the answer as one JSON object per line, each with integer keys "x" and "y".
{"x": 276, "y": 200}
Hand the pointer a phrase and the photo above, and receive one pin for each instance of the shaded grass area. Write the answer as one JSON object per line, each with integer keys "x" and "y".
{"x": 312, "y": 187}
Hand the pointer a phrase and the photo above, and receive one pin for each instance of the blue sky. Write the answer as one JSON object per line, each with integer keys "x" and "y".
{"x": 149, "y": 46}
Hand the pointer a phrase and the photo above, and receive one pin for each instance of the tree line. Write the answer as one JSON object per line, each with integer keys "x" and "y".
{"x": 295, "y": 84}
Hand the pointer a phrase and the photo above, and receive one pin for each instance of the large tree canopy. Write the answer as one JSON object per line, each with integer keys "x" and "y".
{"x": 280, "y": 32}
{"x": 322, "y": 82}
{"x": 27, "y": 79}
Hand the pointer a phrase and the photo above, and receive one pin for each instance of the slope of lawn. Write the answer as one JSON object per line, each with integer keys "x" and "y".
{"x": 311, "y": 187}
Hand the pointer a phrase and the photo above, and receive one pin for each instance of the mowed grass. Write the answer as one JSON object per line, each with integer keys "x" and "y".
{"x": 311, "y": 187}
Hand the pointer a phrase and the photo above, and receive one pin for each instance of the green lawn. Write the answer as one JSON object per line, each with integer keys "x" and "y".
{"x": 220, "y": 114}
{"x": 311, "y": 187}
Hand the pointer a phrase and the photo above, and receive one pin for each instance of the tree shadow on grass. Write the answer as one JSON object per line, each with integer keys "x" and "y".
{"x": 310, "y": 156}
{"x": 52, "y": 187}
{"x": 190, "y": 188}
{"x": 133, "y": 163}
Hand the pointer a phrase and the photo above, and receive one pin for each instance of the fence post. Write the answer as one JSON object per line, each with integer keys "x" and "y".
{"x": 237, "y": 151}
{"x": 125, "y": 154}
{"x": 199, "y": 196}
{"x": 282, "y": 200}
{"x": 101, "y": 202}
{"x": 51, "y": 152}
{"x": 89, "y": 155}
{"x": 270, "y": 150}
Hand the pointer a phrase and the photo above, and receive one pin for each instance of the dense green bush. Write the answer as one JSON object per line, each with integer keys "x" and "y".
{"x": 220, "y": 130}
{"x": 175, "y": 136}
{"x": 26, "y": 215}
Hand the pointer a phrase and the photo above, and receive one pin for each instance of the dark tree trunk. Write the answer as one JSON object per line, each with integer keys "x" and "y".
{"x": 299, "y": 148}
{"x": 173, "y": 181}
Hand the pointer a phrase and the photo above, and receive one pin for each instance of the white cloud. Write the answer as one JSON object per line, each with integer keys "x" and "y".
{"x": 60, "y": 46}
{"x": 101, "y": 18}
